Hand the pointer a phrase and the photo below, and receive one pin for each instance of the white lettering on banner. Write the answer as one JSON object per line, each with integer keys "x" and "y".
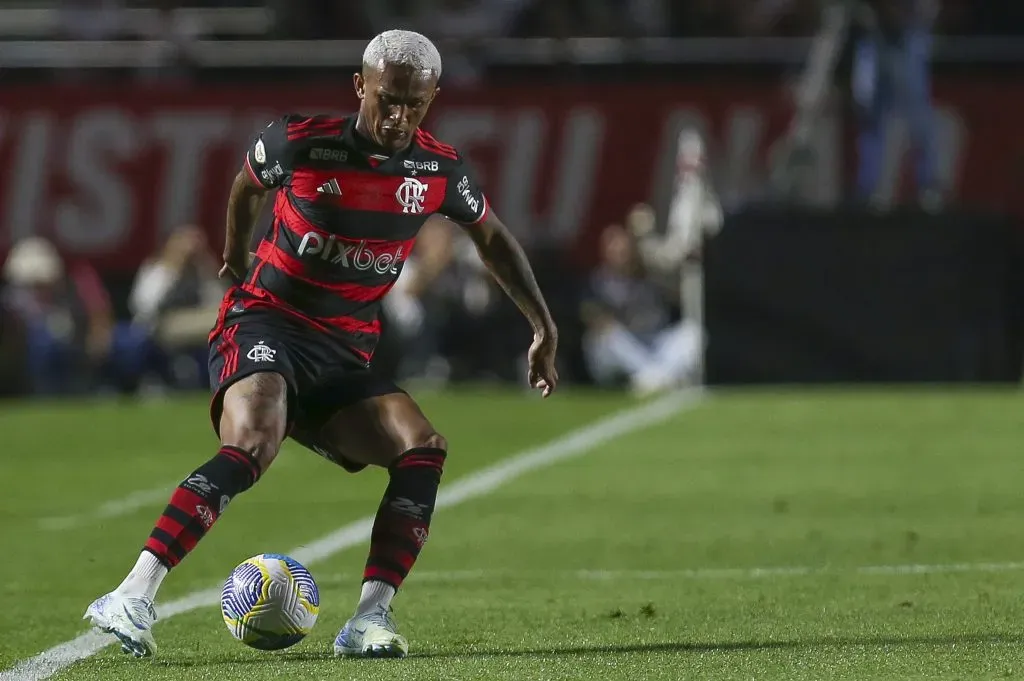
{"x": 467, "y": 129}
{"x": 101, "y": 181}
{"x": 525, "y": 138}
{"x": 29, "y": 178}
{"x": 98, "y": 216}
{"x": 522, "y": 138}
{"x": 583, "y": 142}
{"x": 359, "y": 255}
{"x": 186, "y": 136}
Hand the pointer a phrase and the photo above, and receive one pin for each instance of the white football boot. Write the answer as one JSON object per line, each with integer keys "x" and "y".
{"x": 129, "y": 618}
{"x": 371, "y": 634}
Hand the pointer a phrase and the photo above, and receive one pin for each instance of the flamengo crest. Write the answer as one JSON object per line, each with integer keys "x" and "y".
{"x": 411, "y": 194}
{"x": 261, "y": 353}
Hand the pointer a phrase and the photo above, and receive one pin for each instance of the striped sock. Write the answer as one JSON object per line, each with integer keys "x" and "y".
{"x": 403, "y": 518}
{"x": 197, "y": 503}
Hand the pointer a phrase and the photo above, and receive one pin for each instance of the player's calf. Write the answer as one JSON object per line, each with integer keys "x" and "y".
{"x": 400, "y": 530}
{"x": 253, "y": 424}
{"x": 402, "y": 524}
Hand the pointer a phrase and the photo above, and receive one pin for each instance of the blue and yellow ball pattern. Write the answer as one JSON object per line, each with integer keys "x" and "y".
{"x": 270, "y": 602}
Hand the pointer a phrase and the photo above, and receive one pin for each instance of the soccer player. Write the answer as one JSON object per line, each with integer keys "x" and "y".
{"x": 291, "y": 349}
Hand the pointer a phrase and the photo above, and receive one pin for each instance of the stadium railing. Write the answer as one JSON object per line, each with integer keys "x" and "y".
{"x": 45, "y": 22}
{"x": 519, "y": 51}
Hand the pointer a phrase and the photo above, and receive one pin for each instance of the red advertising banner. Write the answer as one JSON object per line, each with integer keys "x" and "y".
{"x": 105, "y": 173}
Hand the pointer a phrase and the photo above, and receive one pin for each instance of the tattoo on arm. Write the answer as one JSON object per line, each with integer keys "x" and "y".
{"x": 506, "y": 260}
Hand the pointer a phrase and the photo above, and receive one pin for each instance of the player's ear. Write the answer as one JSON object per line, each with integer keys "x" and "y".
{"x": 360, "y": 84}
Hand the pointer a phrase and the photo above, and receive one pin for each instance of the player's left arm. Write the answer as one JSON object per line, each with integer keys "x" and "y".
{"x": 466, "y": 205}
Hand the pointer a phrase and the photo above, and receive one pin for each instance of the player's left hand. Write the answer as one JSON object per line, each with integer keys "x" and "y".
{"x": 235, "y": 271}
{"x": 543, "y": 375}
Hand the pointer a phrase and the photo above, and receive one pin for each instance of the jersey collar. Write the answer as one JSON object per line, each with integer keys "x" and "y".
{"x": 373, "y": 154}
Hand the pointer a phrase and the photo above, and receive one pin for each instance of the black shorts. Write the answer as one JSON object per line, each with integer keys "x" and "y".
{"x": 320, "y": 378}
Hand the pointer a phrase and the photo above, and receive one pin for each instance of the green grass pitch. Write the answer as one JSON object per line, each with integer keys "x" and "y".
{"x": 759, "y": 535}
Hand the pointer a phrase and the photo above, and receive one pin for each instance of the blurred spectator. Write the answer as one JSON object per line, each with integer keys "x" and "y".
{"x": 629, "y": 331}
{"x": 892, "y": 77}
{"x": 72, "y": 341}
{"x": 175, "y": 298}
{"x": 447, "y": 316}
{"x": 418, "y": 306}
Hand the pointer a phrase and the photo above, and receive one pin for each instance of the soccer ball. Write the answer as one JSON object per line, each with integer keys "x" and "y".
{"x": 270, "y": 602}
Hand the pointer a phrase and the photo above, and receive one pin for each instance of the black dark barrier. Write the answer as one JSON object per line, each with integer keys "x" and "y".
{"x": 813, "y": 297}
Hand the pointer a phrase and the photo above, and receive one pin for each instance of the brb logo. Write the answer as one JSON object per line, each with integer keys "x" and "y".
{"x": 358, "y": 255}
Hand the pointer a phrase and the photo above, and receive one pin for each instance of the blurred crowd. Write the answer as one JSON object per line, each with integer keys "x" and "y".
{"x": 61, "y": 333}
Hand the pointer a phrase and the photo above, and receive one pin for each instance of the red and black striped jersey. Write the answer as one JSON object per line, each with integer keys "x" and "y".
{"x": 345, "y": 220}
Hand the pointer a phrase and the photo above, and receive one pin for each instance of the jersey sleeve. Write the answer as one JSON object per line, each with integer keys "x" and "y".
{"x": 269, "y": 157}
{"x": 464, "y": 201}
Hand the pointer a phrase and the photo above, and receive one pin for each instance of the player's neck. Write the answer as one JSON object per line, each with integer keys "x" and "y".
{"x": 365, "y": 140}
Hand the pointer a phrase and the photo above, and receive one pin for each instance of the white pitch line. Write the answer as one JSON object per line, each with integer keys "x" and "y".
{"x": 111, "y": 509}
{"x": 125, "y": 505}
{"x": 751, "y": 573}
{"x": 483, "y": 482}
{"x": 799, "y": 571}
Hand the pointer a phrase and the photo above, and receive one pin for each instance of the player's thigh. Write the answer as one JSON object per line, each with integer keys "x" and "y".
{"x": 254, "y": 415}
{"x": 253, "y": 383}
{"x": 377, "y": 430}
{"x": 364, "y": 422}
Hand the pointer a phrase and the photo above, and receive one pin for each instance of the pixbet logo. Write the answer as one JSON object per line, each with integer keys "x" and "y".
{"x": 357, "y": 255}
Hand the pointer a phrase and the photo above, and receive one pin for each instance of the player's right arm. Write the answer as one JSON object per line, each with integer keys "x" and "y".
{"x": 267, "y": 163}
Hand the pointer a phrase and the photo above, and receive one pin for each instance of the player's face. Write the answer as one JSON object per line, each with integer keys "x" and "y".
{"x": 394, "y": 100}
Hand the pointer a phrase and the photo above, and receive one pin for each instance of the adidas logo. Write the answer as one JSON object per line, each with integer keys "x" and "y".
{"x": 330, "y": 188}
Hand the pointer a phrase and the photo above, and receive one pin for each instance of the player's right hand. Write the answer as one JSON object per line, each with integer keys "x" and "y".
{"x": 542, "y": 373}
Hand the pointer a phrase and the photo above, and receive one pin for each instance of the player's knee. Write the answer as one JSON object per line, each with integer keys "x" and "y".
{"x": 255, "y": 417}
{"x": 432, "y": 441}
{"x": 260, "y": 444}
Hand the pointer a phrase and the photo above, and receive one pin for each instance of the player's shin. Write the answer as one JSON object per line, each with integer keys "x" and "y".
{"x": 401, "y": 526}
{"x": 192, "y": 510}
